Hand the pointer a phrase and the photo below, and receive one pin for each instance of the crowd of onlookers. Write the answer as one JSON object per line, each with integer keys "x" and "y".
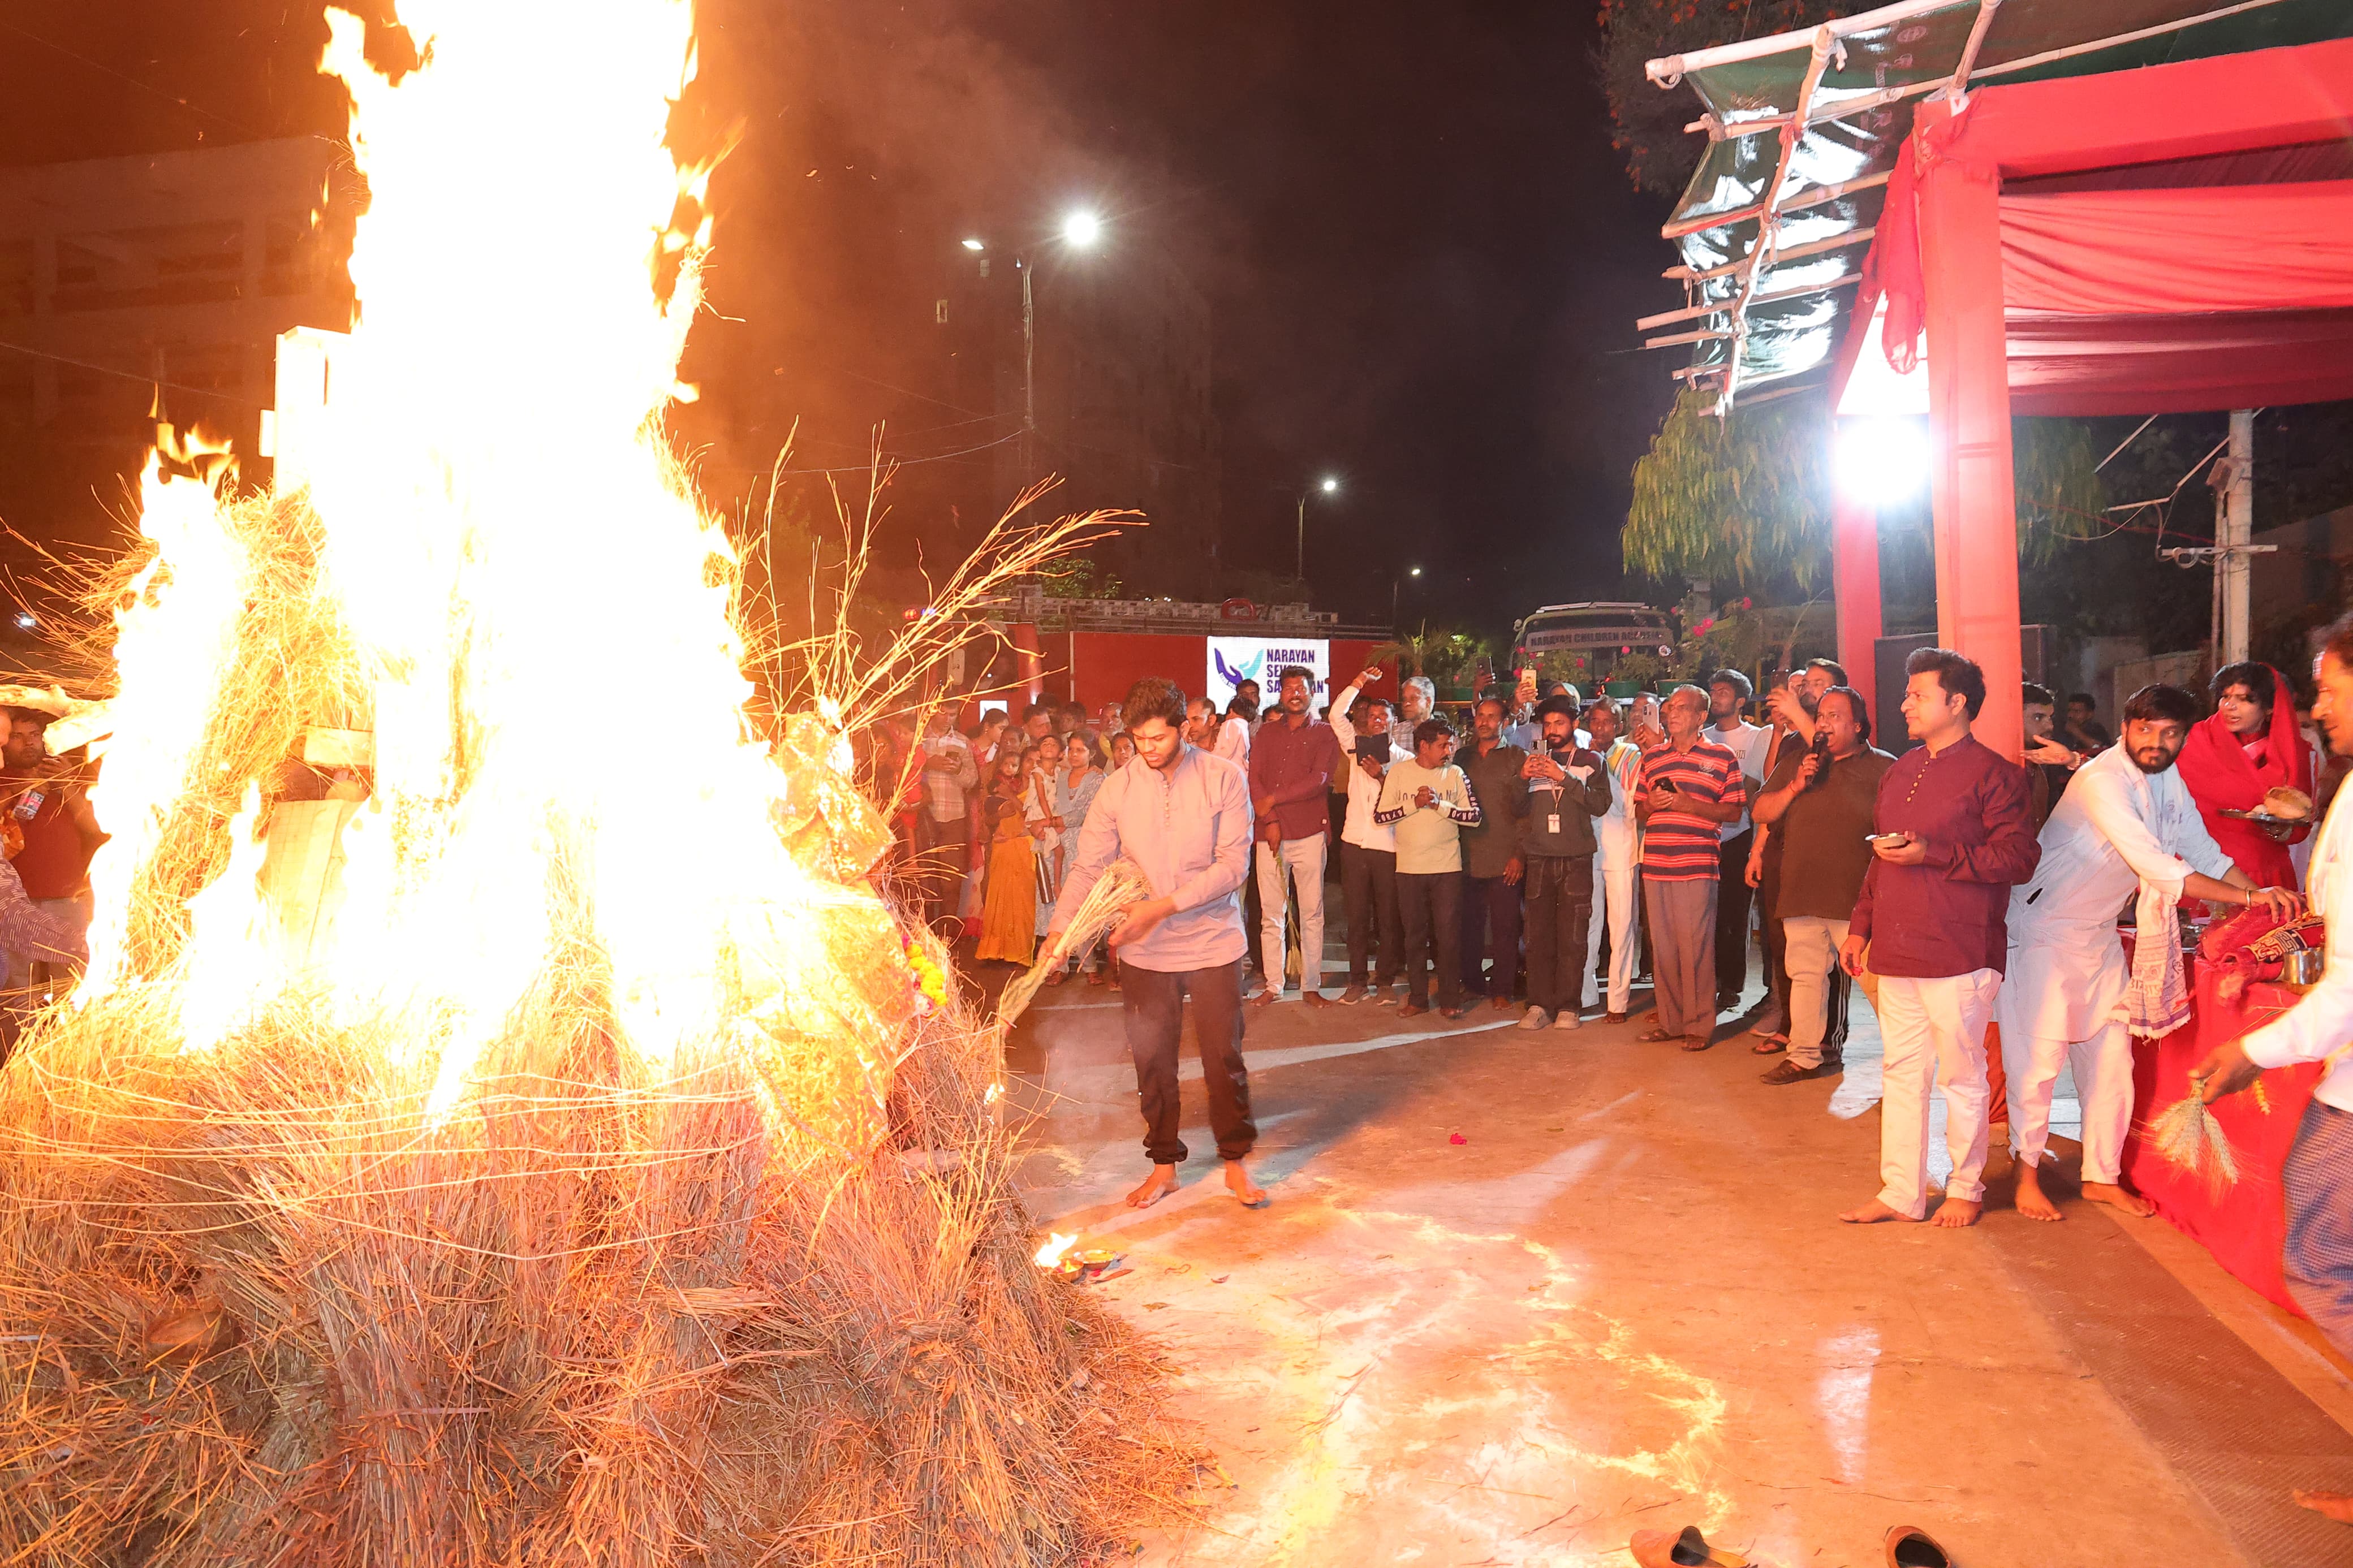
{"x": 1496, "y": 854}
{"x": 1538, "y": 851}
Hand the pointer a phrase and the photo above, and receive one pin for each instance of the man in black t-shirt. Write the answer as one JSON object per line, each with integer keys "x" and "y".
{"x": 1819, "y": 803}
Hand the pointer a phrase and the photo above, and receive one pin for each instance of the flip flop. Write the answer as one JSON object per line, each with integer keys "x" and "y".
{"x": 1685, "y": 1548}
{"x": 1650, "y": 1035}
{"x": 1699, "y": 1042}
{"x": 1909, "y": 1546}
{"x": 1768, "y": 1045}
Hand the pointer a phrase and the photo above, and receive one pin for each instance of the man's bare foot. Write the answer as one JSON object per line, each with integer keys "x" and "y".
{"x": 2337, "y": 1506}
{"x": 1315, "y": 999}
{"x": 1156, "y": 1186}
{"x": 1412, "y": 1010}
{"x": 1266, "y": 996}
{"x": 2032, "y": 1201}
{"x": 1251, "y": 1194}
{"x": 1955, "y": 1213}
{"x": 1874, "y": 1213}
{"x": 2108, "y": 1193}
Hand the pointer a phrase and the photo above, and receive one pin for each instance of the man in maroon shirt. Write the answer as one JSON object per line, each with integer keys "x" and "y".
{"x": 1954, "y": 833}
{"x": 1292, "y": 763}
{"x": 45, "y": 797}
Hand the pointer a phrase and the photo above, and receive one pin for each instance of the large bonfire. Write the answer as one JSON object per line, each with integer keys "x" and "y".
{"x": 543, "y": 1149}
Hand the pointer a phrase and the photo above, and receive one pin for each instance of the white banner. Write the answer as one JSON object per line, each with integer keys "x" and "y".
{"x": 1233, "y": 660}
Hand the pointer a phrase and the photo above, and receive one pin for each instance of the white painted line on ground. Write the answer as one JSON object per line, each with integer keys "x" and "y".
{"x": 1292, "y": 1055}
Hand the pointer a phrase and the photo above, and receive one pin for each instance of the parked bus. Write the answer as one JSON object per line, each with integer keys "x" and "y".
{"x": 1602, "y": 632}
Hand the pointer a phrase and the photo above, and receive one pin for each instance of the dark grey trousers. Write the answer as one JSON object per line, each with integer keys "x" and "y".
{"x": 1154, "y": 1009}
{"x": 1559, "y": 890}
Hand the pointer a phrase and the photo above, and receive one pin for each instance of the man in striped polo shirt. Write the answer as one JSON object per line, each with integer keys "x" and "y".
{"x": 1689, "y": 788}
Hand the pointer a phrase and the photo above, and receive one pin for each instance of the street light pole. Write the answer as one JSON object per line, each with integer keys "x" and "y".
{"x": 1329, "y": 485}
{"x": 1395, "y": 584}
{"x": 1028, "y": 373}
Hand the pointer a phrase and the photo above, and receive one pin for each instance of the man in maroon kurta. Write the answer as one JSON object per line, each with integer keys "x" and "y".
{"x": 1954, "y": 834}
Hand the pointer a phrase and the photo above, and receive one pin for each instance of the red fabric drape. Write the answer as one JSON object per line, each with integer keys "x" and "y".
{"x": 2220, "y": 247}
{"x": 2221, "y": 777}
{"x": 2085, "y": 365}
{"x": 2244, "y": 1225}
{"x": 2124, "y": 293}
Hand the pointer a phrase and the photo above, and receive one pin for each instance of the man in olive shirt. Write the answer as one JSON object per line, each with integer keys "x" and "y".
{"x": 1490, "y": 858}
{"x": 1818, "y": 805}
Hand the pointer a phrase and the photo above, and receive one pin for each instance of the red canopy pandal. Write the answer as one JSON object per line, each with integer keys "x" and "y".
{"x": 2162, "y": 240}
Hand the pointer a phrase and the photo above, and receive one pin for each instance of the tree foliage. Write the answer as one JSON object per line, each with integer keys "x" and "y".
{"x": 1745, "y": 498}
{"x": 1736, "y": 499}
{"x": 1447, "y": 657}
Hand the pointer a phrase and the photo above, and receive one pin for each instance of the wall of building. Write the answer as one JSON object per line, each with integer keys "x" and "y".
{"x": 177, "y": 271}
{"x": 1123, "y": 387}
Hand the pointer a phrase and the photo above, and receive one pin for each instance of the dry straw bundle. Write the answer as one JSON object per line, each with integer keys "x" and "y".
{"x": 2186, "y": 1137}
{"x": 1121, "y": 884}
{"x": 259, "y": 1304}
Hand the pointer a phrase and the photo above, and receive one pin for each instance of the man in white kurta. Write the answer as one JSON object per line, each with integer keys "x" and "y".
{"x": 1617, "y": 859}
{"x": 2126, "y": 828}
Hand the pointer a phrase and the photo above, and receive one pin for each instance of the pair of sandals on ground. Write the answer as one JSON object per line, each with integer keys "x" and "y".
{"x": 1907, "y": 1546}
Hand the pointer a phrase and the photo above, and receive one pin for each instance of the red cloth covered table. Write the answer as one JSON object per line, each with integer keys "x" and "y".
{"x": 2244, "y": 1225}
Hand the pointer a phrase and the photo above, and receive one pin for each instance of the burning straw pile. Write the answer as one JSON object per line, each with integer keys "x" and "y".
{"x": 516, "y": 1157}
{"x": 261, "y": 1306}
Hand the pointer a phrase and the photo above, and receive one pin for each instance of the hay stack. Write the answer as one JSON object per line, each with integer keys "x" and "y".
{"x": 770, "y": 1303}
{"x": 256, "y": 1307}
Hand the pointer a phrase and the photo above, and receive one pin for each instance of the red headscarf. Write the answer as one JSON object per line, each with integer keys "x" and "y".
{"x": 2221, "y": 776}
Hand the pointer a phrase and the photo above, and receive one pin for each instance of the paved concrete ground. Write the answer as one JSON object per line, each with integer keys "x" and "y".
{"x": 1623, "y": 1301}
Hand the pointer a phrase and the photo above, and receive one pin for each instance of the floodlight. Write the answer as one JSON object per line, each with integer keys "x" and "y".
{"x": 1881, "y": 458}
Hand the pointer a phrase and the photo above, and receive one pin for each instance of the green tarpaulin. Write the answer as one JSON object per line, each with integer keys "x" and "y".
{"x": 1859, "y": 112}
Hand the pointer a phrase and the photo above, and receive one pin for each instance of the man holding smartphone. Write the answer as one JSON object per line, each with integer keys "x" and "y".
{"x": 1690, "y": 788}
{"x": 1953, "y": 837}
{"x": 1568, "y": 788}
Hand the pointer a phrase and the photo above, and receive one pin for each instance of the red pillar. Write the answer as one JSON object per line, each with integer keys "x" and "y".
{"x": 1971, "y": 489}
{"x": 1028, "y": 663}
{"x": 1854, "y": 588}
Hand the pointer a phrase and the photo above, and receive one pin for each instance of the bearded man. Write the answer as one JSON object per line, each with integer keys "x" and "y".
{"x": 2126, "y": 825}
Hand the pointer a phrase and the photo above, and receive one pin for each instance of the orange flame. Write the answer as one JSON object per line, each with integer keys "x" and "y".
{"x": 538, "y": 601}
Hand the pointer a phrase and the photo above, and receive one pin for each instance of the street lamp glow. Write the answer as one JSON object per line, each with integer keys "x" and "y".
{"x": 1330, "y": 487}
{"x": 1415, "y": 572}
{"x": 1882, "y": 458}
{"x": 1081, "y": 228}
{"x": 974, "y": 245}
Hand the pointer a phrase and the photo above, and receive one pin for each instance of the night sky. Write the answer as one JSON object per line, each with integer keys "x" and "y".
{"x": 1422, "y": 256}
{"x": 1425, "y": 261}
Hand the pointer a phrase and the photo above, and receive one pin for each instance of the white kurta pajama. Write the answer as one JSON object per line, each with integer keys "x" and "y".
{"x": 2117, "y": 833}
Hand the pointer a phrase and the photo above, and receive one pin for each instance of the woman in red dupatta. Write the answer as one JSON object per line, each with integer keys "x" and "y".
{"x": 2229, "y": 769}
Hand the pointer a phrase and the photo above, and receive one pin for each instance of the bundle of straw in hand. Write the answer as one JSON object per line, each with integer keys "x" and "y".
{"x": 1105, "y": 905}
{"x": 2186, "y": 1137}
